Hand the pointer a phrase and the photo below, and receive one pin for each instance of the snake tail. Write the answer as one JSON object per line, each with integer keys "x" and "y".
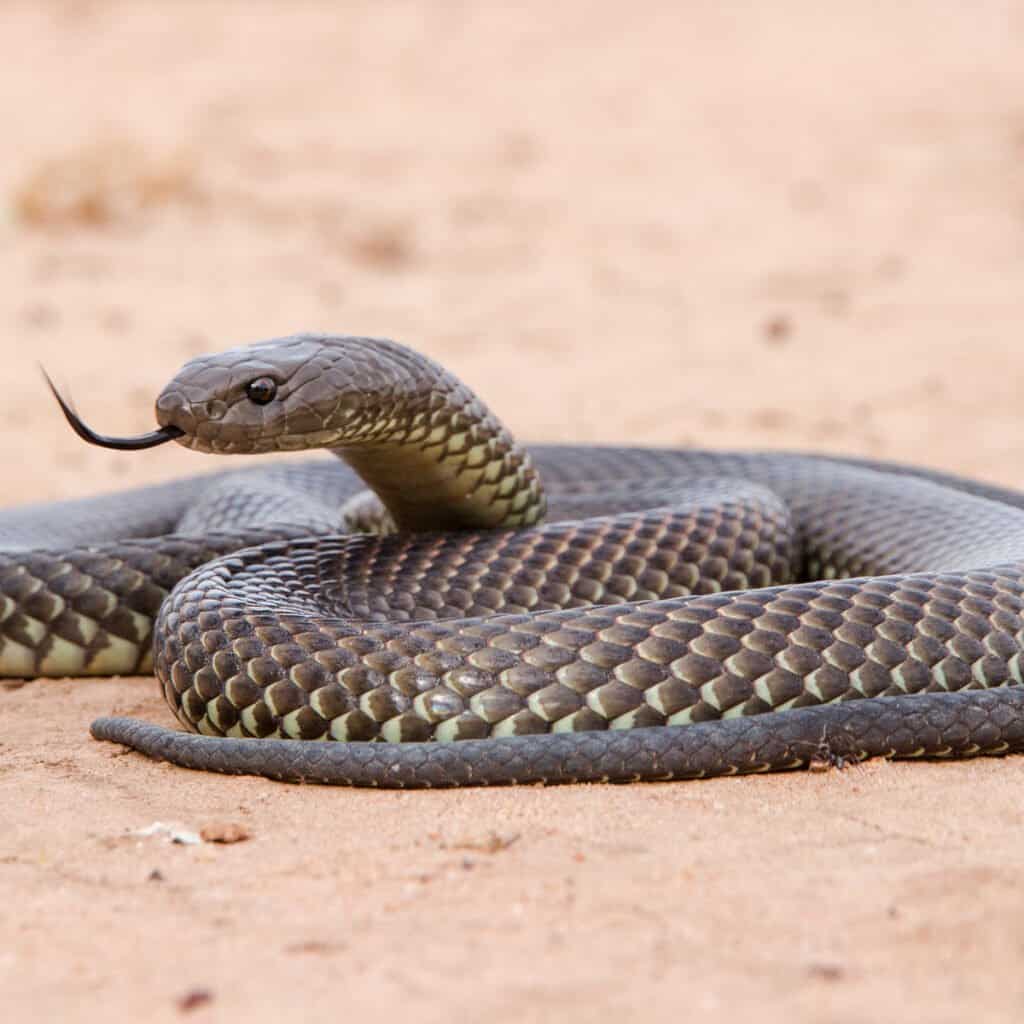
{"x": 933, "y": 726}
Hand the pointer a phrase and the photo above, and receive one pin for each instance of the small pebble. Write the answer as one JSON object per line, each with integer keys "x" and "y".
{"x": 194, "y": 998}
{"x": 224, "y": 832}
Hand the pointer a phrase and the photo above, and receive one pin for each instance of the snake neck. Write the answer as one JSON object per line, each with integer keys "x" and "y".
{"x": 433, "y": 453}
{"x": 449, "y": 464}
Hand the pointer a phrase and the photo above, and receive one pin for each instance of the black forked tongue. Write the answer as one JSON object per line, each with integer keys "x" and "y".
{"x": 125, "y": 444}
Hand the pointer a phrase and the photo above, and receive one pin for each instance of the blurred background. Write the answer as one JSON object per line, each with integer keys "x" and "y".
{"x": 763, "y": 225}
{"x": 772, "y": 225}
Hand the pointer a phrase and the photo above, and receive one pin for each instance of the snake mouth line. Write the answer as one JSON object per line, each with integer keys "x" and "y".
{"x": 126, "y": 444}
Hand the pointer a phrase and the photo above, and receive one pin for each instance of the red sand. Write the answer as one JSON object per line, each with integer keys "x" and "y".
{"x": 799, "y": 226}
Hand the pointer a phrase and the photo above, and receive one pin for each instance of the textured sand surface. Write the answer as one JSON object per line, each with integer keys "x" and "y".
{"x": 781, "y": 225}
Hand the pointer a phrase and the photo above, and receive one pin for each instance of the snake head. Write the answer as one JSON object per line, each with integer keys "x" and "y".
{"x": 296, "y": 393}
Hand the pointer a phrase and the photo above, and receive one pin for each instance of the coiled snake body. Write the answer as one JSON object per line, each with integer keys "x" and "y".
{"x": 567, "y": 614}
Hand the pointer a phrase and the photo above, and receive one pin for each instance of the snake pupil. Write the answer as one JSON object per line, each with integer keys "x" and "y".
{"x": 261, "y": 390}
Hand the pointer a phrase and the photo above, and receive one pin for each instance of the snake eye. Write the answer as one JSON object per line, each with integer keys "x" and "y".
{"x": 261, "y": 390}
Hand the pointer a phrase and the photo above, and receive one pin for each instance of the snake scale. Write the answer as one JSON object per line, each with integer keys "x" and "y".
{"x": 495, "y": 615}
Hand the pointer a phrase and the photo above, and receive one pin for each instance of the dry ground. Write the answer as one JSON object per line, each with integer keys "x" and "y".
{"x": 760, "y": 224}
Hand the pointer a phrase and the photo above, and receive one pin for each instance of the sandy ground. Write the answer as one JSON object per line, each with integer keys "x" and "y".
{"x": 780, "y": 225}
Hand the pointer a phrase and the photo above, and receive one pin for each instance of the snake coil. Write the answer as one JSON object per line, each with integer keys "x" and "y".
{"x": 562, "y": 614}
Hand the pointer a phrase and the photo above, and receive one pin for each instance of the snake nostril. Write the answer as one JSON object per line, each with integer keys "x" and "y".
{"x": 173, "y": 410}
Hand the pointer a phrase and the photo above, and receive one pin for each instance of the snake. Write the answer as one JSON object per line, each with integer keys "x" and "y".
{"x": 436, "y": 605}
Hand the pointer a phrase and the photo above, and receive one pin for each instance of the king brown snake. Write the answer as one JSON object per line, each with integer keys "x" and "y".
{"x": 501, "y": 616}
